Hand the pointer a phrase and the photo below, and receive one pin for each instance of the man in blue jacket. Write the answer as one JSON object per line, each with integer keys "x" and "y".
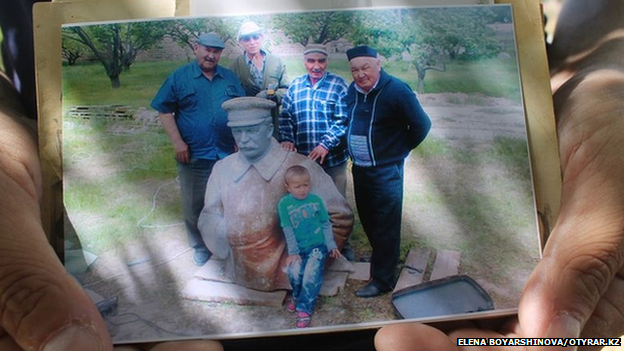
{"x": 386, "y": 123}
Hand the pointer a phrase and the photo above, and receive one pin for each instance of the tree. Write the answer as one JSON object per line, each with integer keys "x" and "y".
{"x": 428, "y": 36}
{"x": 105, "y": 44}
{"x": 137, "y": 37}
{"x": 316, "y": 27}
{"x": 186, "y": 32}
{"x": 71, "y": 51}
{"x": 117, "y": 45}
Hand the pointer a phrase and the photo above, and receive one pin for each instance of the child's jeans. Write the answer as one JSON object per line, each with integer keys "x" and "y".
{"x": 306, "y": 278}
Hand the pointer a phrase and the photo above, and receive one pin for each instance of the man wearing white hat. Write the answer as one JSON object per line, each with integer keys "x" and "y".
{"x": 261, "y": 74}
{"x": 189, "y": 107}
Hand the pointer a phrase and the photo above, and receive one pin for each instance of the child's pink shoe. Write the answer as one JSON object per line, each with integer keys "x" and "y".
{"x": 303, "y": 319}
{"x": 290, "y": 304}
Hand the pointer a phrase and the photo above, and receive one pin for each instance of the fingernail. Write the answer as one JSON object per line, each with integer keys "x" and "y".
{"x": 564, "y": 326}
{"x": 74, "y": 338}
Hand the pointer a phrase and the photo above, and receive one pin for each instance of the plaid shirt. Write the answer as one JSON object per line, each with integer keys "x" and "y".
{"x": 316, "y": 115}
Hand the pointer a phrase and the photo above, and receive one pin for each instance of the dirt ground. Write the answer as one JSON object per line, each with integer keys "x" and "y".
{"x": 147, "y": 275}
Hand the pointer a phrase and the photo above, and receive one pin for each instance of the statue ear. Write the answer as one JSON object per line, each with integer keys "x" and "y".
{"x": 271, "y": 128}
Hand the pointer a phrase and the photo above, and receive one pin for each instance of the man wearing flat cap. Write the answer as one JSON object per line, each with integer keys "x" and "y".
{"x": 239, "y": 222}
{"x": 386, "y": 122}
{"x": 313, "y": 120}
{"x": 189, "y": 107}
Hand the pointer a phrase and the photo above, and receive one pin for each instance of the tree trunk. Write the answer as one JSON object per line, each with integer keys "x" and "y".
{"x": 421, "y": 80}
{"x": 115, "y": 82}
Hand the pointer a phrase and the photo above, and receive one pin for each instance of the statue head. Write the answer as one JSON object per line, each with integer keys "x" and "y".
{"x": 250, "y": 121}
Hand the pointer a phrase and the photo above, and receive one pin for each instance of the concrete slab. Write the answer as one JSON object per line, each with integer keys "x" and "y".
{"x": 446, "y": 264}
{"x": 333, "y": 283}
{"x": 361, "y": 271}
{"x": 211, "y": 291}
{"x": 413, "y": 271}
{"x": 213, "y": 270}
{"x": 341, "y": 264}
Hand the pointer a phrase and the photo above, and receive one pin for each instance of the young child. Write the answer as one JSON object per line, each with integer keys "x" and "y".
{"x": 309, "y": 240}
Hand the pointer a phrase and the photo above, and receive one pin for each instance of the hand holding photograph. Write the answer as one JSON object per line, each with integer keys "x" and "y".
{"x": 393, "y": 139}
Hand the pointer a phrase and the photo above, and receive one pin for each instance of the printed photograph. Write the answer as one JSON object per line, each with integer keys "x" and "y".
{"x": 296, "y": 172}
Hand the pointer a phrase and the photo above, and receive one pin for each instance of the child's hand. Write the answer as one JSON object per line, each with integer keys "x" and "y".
{"x": 292, "y": 258}
{"x": 335, "y": 253}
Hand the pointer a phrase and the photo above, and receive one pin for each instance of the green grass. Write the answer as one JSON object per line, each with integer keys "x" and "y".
{"x": 485, "y": 193}
{"x": 491, "y": 77}
{"x": 87, "y": 83}
{"x": 127, "y": 168}
{"x": 432, "y": 147}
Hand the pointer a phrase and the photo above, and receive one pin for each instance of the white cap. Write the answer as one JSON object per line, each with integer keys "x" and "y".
{"x": 248, "y": 28}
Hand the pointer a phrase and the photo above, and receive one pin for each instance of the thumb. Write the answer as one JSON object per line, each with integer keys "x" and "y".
{"x": 41, "y": 306}
{"x": 577, "y": 288}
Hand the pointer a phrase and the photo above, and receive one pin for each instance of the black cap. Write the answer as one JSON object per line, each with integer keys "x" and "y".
{"x": 361, "y": 50}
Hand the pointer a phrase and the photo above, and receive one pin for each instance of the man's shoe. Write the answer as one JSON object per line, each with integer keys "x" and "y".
{"x": 201, "y": 257}
{"x": 372, "y": 289}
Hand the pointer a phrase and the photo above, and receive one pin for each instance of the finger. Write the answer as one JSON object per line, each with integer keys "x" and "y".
{"x": 128, "y": 348}
{"x": 183, "y": 157}
{"x": 313, "y": 156}
{"x": 7, "y": 343}
{"x": 40, "y": 304}
{"x": 586, "y": 248}
{"x": 200, "y": 345}
{"x": 412, "y": 337}
{"x": 608, "y": 316}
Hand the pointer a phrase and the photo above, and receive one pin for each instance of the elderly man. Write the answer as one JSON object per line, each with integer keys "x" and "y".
{"x": 239, "y": 221}
{"x": 189, "y": 107}
{"x": 386, "y": 121}
{"x": 260, "y": 73}
{"x": 313, "y": 120}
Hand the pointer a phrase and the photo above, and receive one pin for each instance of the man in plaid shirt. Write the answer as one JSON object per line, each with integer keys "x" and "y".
{"x": 313, "y": 120}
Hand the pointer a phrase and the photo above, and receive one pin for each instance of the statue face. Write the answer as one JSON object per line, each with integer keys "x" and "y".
{"x": 254, "y": 141}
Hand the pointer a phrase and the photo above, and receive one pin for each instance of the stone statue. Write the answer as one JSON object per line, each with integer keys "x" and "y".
{"x": 239, "y": 222}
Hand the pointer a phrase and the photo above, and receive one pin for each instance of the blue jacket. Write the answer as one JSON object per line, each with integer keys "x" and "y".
{"x": 196, "y": 103}
{"x": 385, "y": 124}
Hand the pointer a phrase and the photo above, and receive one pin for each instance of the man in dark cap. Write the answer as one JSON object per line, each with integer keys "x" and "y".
{"x": 386, "y": 122}
{"x": 240, "y": 222}
{"x": 189, "y": 106}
